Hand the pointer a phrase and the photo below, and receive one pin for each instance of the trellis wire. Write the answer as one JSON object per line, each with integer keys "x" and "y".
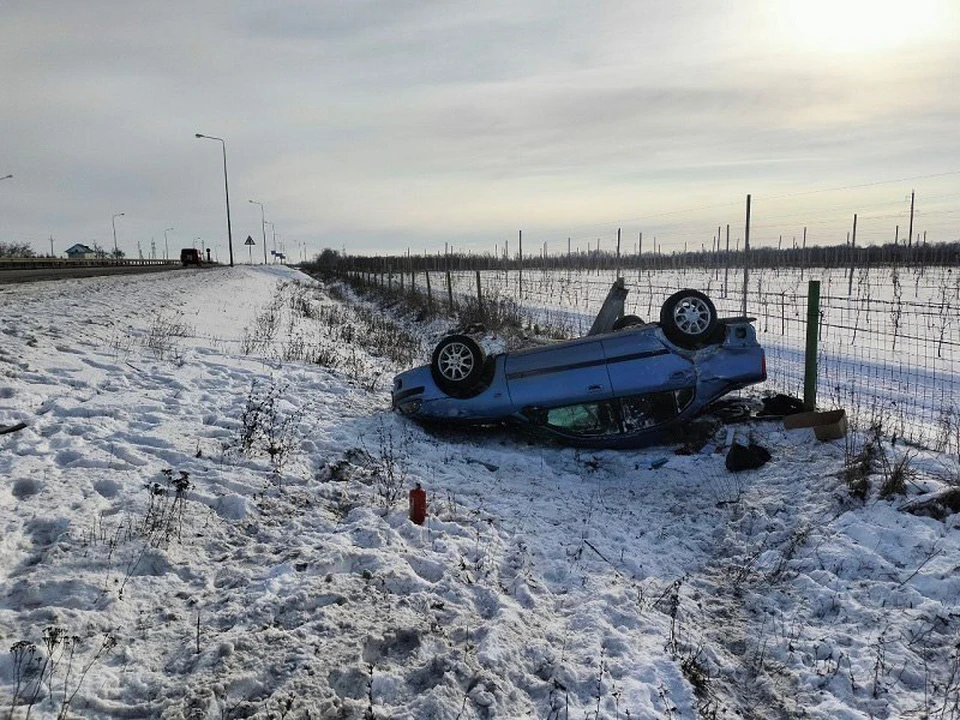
{"x": 888, "y": 349}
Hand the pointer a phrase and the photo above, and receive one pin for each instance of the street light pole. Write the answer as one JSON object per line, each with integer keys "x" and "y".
{"x": 226, "y": 189}
{"x": 166, "y": 244}
{"x": 263, "y": 228}
{"x": 116, "y": 249}
{"x": 273, "y": 229}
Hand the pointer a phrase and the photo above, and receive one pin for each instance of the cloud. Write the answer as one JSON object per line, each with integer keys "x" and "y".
{"x": 413, "y": 119}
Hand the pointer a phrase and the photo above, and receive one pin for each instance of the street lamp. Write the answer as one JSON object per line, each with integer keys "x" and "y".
{"x": 263, "y": 227}
{"x": 116, "y": 250}
{"x": 226, "y": 189}
{"x": 273, "y": 228}
{"x": 166, "y": 245}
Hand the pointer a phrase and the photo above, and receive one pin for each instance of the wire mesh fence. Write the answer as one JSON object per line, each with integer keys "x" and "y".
{"x": 888, "y": 336}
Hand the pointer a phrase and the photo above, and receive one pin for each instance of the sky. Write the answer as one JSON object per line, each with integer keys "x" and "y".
{"x": 375, "y": 126}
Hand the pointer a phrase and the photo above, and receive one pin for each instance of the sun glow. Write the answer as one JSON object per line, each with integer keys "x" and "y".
{"x": 865, "y": 27}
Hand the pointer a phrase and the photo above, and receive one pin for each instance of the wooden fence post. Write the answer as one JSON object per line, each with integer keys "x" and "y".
{"x": 449, "y": 292}
{"x": 479, "y": 294}
{"x": 429, "y": 292}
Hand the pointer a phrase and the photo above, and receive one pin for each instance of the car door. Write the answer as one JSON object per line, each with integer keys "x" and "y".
{"x": 559, "y": 374}
{"x": 638, "y": 362}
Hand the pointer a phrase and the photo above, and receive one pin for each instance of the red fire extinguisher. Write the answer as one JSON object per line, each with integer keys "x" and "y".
{"x": 418, "y": 504}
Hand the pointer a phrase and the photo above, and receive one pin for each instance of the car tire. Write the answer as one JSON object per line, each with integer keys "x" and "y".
{"x": 627, "y": 321}
{"x": 457, "y": 365}
{"x": 689, "y": 319}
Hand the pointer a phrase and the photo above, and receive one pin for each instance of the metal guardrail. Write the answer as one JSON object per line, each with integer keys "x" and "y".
{"x": 47, "y": 262}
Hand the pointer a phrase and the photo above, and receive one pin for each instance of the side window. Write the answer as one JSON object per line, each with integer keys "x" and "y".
{"x": 586, "y": 419}
{"x": 644, "y": 411}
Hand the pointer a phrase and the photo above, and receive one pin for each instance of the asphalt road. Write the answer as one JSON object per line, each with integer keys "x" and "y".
{"x": 19, "y": 275}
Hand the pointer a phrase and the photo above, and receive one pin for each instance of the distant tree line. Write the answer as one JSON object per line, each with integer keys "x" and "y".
{"x": 819, "y": 256}
{"x": 16, "y": 250}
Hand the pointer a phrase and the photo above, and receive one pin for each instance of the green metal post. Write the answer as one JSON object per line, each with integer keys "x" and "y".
{"x": 810, "y": 364}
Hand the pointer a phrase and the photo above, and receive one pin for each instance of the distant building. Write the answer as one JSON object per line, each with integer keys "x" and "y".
{"x": 81, "y": 252}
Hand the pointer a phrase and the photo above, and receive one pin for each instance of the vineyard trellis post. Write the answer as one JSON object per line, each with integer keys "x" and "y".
{"x": 520, "y": 265}
{"x": 639, "y": 255}
{"x": 853, "y": 244}
{"x": 726, "y": 264}
{"x": 746, "y": 258}
{"x": 803, "y": 253}
{"x": 810, "y": 359}
{"x": 715, "y": 259}
{"x": 910, "y": 229}
{"x": 619, "y": 271}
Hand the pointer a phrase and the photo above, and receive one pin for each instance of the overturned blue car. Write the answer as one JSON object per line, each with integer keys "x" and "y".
{"x": 626, "y": 384}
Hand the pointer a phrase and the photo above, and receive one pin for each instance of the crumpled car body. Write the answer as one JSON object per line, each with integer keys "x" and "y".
{"x": 629, "y": 387}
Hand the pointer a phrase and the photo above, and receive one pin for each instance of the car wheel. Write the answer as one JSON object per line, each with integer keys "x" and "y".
{"x": 457, "y": 364}
{"x": 627, "y": 321}
{"x": 688, "y": 318}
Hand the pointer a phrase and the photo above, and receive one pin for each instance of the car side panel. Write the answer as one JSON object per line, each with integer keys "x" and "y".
{"x": 639, "y": 362}
{"x": 559, "y": 374}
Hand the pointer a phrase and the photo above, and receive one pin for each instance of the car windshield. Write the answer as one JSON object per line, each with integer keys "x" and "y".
{"x": 626, "y": 415}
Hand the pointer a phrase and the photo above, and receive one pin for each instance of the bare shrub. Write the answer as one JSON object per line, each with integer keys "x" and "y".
{"x": 259, "y": 338}
{"x": 390, "y": 474}
{"x": 896, "y": 476}
{"x": 372, "y": 328}
{"x": 860, "y": 463}
{"x": 267, "y": 427}
{"x": 164, "y": 334}
{"x": 58, "y": 667}
{"x": 494, "y": 313}
{"x": 299, "y": 349}
{"x": 163, "y": 518}
{"x": 301, "y": 303}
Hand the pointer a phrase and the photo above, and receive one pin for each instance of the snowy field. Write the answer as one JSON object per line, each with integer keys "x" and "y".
{"x": 204, "y": 517}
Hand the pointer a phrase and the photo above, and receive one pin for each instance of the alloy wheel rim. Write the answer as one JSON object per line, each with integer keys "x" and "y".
{"x": 692, "y": 315}
{"x": 455, "y": 361}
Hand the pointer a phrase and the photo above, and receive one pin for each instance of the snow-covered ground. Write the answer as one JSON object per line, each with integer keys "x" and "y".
{"x": 195, "y": 525}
